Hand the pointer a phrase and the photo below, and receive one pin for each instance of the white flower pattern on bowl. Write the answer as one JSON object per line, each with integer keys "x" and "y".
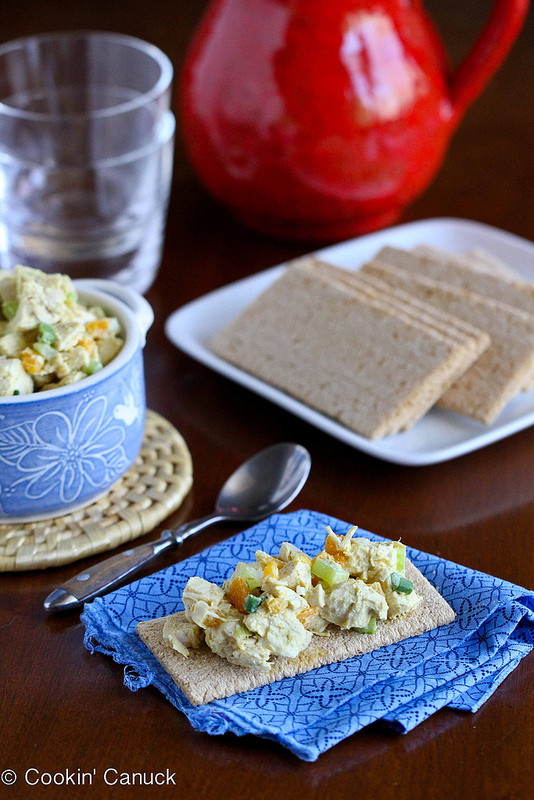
{"x": 59, "y": 452}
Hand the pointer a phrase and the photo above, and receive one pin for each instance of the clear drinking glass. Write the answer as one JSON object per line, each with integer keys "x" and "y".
{"x": 86, "y": 151}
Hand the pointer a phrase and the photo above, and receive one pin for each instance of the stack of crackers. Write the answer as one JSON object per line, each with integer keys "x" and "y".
{"x": 377, "y": 348}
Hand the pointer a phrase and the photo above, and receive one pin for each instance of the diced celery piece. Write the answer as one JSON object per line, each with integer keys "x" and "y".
{"x": 252, "y": 603}
{"x": 9, "y": 308}
{"x": 240, "y": 632}
{"x": 401, "y": 556}
{"x": 369, "y": 628}
{"x": 328, "y": 571}
{"x": 45, "y": 333}
{"x": 251, "y": 573}
{"x": 401, "y": 584}
{"x": 45, "y": 350}
{"x": 92, "y": 367}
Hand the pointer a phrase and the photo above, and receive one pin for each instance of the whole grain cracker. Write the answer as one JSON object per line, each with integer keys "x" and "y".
{"x": 342, "y": 353}
{"x": 430, "y": 263}
{"x": 477, "y": 260}
{"x": 503, "y": 369}
{"x": 396, "y": 299}
{"x": 479, "y": 272}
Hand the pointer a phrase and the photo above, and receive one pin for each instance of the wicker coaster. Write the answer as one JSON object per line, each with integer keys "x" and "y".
{"x": 154, "y": 487}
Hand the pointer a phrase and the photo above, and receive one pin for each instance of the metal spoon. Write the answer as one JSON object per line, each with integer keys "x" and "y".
{"x": 265, "y": 483}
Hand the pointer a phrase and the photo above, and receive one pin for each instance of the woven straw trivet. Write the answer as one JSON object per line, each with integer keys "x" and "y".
{"x": 154, "y": 487}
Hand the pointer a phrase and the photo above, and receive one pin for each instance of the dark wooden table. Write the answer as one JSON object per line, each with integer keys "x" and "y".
{"x": 62, "y": 708}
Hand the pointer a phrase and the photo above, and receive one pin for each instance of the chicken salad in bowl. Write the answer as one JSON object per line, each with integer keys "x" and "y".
{"x": 67, "y": 438}
{"x": 48, "y": 338}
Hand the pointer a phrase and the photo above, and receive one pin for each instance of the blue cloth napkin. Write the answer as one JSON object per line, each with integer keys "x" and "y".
{"x": 457, "y": 665}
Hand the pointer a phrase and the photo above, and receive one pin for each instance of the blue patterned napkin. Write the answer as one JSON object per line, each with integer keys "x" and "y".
{"x": 458, "y": 665}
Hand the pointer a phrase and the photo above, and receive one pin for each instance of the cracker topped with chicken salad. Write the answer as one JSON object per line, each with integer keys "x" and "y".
{"x": 48, "y": 338}
{"x": 285, "y": 614}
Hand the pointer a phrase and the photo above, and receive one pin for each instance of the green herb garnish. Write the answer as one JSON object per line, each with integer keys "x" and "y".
{"x": 401, "y": 584}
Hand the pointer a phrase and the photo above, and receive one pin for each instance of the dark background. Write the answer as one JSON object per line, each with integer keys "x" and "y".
{"x": 61, "y": 707}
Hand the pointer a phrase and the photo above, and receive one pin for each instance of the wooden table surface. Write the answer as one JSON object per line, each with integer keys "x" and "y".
{"x": 62, "y": 708}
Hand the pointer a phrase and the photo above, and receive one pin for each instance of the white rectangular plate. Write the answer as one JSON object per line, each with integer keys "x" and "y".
{"x": 440, "y": 435}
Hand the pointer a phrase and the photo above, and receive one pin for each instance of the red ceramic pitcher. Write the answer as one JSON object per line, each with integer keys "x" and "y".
{"x": 323, "y": 119}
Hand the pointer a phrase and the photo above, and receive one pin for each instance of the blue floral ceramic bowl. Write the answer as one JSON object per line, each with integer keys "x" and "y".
{"x": 63, "y": 448}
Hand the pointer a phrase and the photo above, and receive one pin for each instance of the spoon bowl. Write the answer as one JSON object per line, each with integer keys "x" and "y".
{"x": 266, "y": 483}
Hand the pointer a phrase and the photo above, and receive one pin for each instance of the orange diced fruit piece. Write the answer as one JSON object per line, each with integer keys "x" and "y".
{"x": 332, "y": 550}
{"x": 276, "y": 604}
{"x": 330, "y": 546}
{"x": 99, "y": 327}
{"x": 270, "y": 570}
{"x": 307, "y": 615}
{"x": 340, "y": 558}
{"x": 237, "y": 593}
{"x": 88, "y": 344}
{"x": 32, "y": 362}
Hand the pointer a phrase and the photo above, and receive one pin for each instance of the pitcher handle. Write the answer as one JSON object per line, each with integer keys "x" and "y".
{"x": 497, "y": 37}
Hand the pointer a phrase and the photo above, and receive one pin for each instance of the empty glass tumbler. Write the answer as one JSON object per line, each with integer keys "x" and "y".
{"x": 86, "y": 152}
